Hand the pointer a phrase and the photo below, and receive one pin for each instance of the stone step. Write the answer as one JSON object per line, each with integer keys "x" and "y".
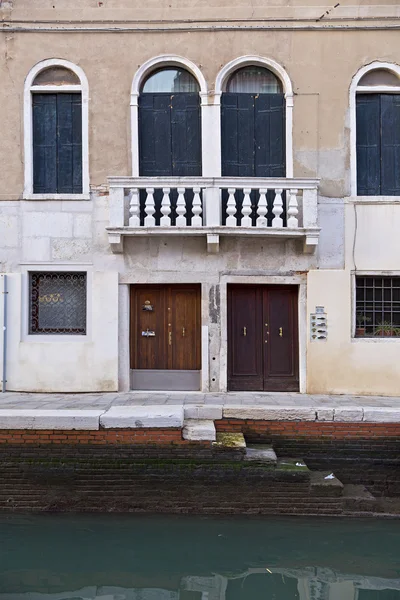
{"x": 325, "y": 483}
{"x": 260, "y": 453}
{"x": 199, "y": 430}
{"x": 230, "y": 441}
{"x": 296, "y": 465}
{"x": 357, "y": 497}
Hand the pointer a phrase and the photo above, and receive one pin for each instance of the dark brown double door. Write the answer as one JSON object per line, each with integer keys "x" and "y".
{"x": 263, "y": 338}
{"x": 165, "y": 335}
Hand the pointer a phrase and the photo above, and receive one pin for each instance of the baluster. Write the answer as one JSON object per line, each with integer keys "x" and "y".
{"x": 277, "y": 221}
{"x": 196, "y": 209}
{"x": 149, "y": 208}
{"x": 134, "y": 209}
{"x": 293, "y": 209}
{"x": 246, "y": 208}
{"x": 165, "y": 220}
{"x": 262, "y": 209}
{"x": 181, "y": 208}
{"x": 231, "y": 221}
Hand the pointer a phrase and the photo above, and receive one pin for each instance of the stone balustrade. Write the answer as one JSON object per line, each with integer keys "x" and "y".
{"x": 279, "y": 207}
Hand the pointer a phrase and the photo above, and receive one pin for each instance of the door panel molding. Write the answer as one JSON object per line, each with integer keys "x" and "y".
{"x": 173, "y": 328}
{"x": 292, "y": 285}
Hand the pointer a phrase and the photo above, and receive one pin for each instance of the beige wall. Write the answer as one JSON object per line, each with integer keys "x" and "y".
{"x": 320, "y": 57}
{"x": 320, "y": 64}
{"x": 343, "y": 364}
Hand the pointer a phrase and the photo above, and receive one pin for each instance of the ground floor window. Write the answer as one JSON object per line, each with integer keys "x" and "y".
{"x": 377, "y": 306}
{"x": 57, "y": 303}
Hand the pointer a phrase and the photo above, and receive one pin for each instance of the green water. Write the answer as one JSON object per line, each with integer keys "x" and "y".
{"x": 131, "y": 557}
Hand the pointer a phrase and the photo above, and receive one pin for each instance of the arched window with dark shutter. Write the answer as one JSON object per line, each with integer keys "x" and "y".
{"x": 378, "y": 133}
{"x": 170, "y": 124}
{"x": 57, "y": 160}
{"x": 253, "y": 124}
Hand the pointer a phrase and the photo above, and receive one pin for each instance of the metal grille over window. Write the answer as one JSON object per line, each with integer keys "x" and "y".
{"x": 57, "y": 303}
{"x": 377, "y": 307}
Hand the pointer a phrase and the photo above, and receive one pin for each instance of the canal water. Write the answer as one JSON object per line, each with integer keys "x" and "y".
{"x": 133, "y": 557}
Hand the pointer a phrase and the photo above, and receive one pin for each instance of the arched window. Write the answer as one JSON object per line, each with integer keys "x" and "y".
{"x": 377, "y": 131}
{"x": 253, "y": 80}
{"x": 253, "y": 124}
{"x": 169, "y": 124}
{"x": 56, "y": 131}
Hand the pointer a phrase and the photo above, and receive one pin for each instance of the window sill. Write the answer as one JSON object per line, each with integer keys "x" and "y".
{"x": 56, "y": 197}
{"x": 55, "y": 338}
{"x": 374, "y": 340}
{"x": 373, "y": 199}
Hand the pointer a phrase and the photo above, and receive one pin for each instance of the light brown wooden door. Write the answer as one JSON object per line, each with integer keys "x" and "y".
{"x": 263, "y": 338}
{"x": 165, "y": 327}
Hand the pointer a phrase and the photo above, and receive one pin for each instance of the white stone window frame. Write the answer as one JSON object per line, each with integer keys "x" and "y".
{"x": 355, "y": 89}
{"x": 368, "y": 340}
{"x": 29, "y": 89}
{"x": 26, "y": 269}
{"x": 267, "y": 63}
{"x": 210, "y": 103}
{"x": 145, "y": 70}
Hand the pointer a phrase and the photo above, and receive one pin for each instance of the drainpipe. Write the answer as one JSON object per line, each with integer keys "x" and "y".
{"x": 4, "y": 331}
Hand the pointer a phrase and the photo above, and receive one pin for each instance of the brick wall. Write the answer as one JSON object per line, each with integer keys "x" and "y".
{"x": 155, "y": 470}
{"x": 358, "y": 453}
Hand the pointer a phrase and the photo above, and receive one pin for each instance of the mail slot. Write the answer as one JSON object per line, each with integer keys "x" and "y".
{"x": 148, "y": 333}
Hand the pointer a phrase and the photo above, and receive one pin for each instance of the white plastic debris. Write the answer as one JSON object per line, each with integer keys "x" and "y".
{"x": 331, "y": 476}
{"x": 299, "y": 464}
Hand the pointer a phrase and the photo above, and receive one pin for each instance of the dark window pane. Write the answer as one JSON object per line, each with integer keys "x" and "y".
{"x": 57, "y": 303}
{"x": 170, "y": 81}
{"x": 254, "y": 80}
{"x": 377, "y": 306}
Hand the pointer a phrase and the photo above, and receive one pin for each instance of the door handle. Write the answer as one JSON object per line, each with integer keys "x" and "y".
{"x": 280, "y": 332}
{"x": 170, "y": 338}
{"x": 183, "y": 331}
{"x": 244, "y": 331}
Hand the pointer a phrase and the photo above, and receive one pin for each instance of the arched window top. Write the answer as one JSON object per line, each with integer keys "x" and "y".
{"x": 254, "y": 80}
{"x": 379, "y": 77}
{"x": 56, "y": 75}
{"x": 170, "y": 80}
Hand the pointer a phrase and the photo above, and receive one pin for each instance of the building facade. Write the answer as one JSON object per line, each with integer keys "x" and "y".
{"x": 200, "y": 196}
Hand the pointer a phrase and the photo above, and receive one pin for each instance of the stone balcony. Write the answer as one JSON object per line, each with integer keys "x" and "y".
{"x": 279, "y": 208}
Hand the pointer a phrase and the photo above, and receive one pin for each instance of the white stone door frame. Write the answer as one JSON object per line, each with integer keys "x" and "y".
{"x": 124, "y": 321}
{"x": 298, "y": 280}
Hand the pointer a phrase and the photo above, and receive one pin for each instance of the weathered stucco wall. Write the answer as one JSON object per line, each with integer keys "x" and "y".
{"x": 320, "y": 56}
{"x": 87, "y": 363}
{"x": 321, "y": 145}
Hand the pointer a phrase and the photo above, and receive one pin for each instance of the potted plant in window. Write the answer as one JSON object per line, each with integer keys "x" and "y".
{"x": 361, "y": 321}
{"x": 386, "y": 329}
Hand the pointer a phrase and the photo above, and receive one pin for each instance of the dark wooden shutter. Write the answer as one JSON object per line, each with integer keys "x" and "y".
{"x": 269, "y": 114}
{"x": 368, "y": 144}
{"x": 44, "y": 122}
{"x": 237, "y": 135}
{"x": 186, "y": 134}
{"x": 390, "y": 145}
{"x": 155, "y": 135}
{"x": 169, "y": 135}
{"x": 253, "y": 135}
{"x": 57, "y": 143}
{"x": 69, "y": 146}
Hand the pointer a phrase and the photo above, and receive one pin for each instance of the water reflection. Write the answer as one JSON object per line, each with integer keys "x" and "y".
{"x": 151, "y": 558}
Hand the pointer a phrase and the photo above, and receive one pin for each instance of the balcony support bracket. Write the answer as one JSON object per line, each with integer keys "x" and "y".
{"x": 310, "y": 242}
{"x": 116, "y": 242}
{"x": 212, "y": 243}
